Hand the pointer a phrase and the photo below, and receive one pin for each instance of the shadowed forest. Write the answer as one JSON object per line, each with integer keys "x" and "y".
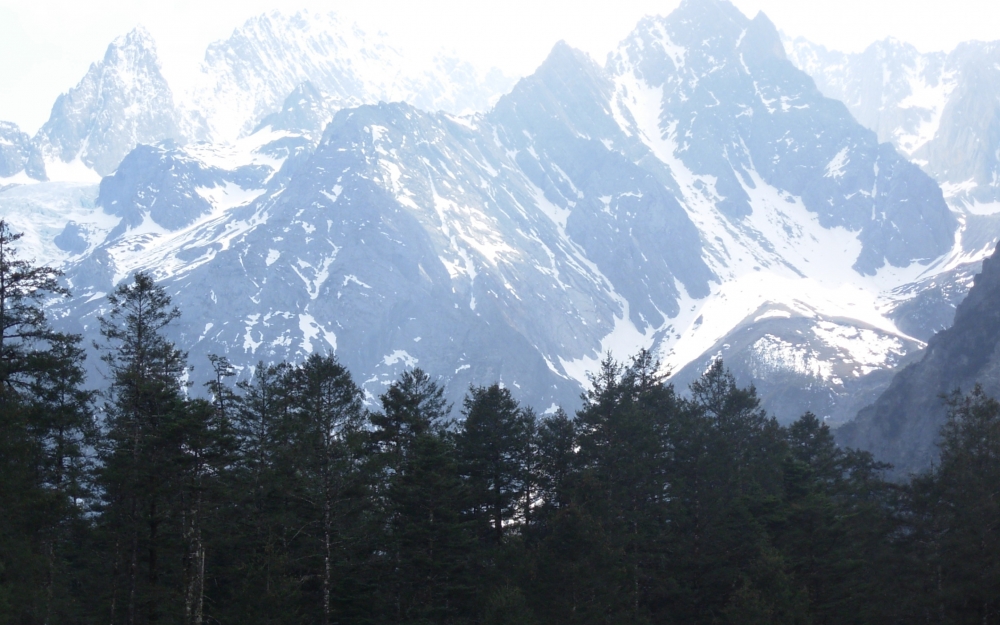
{"x": 290, "y": 497}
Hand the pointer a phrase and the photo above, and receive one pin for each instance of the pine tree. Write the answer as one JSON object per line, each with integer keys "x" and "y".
{"x": 956, "y": 508}
{"x": 494, "y": 444}
{"x": 411, "y": 407}
{"x": 556, "y": 461}
{"x": 622, "y": 438}
{"x": 254, "y": 583}
{"x": 428, "y": 541}
{"x": 23, "y": 327}
{"x": 322, "y": 442}
{"x": 834, "y": 524}
{"x": 45, "y": 427}
{"x": 727, "y": 486}
{"x": 146, "y": 380}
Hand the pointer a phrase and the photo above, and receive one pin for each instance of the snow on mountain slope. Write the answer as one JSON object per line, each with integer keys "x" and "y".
{"x": 247, "y": 76}
{"x": 59, "y": 220}
{"x": 695, "y": 190}
{"x": 795, "y": 202}
{"x": 939, "y": 109}
{"x": 124, "y": 100}
{"x": 121, "y": 102}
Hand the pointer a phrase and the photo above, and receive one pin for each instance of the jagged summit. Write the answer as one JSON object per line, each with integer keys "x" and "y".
{"x": 684, "y": 189}
{"x": 247, "y": 76}
{"x": 695, "y": 195}
{"x": 940, "y": 109}
{"x": 122, "y": 101}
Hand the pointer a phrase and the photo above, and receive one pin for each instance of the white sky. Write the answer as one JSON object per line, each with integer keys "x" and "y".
{"x": 47, "y": 45}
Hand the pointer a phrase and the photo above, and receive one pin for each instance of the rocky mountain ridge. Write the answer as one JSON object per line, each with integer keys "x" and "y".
{"x": 939, "y": 109}
{"x": 901, "y": 426}
{"x": 124, "y": 100}
{"x": 667, "y": 200}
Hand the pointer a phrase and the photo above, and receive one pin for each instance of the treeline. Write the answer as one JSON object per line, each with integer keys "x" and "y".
{"x": 285, "y": 498}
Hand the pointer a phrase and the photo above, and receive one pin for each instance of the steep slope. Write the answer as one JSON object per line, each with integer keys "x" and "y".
{"x": 902, "y": 425}
{"x": 735, "y": 106}
{"x": 940, "y": 110}
{"x": 247, "y": 76}
{"x": 665, "y": 200}
{"x": 789, "y": 193}
{"x": 121, "y": 102}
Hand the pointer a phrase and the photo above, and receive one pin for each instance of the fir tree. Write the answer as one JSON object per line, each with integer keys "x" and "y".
{"x": 45, "y": 427}
{"x": 146, "y": 380}
{"x": 494, "y": 444}
{"x": 321, "y": 447}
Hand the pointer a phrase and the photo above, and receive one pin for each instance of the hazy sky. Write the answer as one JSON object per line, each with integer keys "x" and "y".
{"x": 47, "y": 45}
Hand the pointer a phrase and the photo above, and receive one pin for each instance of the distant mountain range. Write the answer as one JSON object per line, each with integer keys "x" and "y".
{"x": 939, "y": 109}
{"x": 124, "y": 100}
{"x": 699, "y": 194}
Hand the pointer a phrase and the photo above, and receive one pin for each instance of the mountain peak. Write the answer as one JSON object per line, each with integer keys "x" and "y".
{"x": 708, "y": 13}
{"x": 563, "y": 53}
{"x": 17, "y": 155}
{"x": 763, "y": 40}
{"x": 138, "y": 37}
{"x": 121, "y": 101}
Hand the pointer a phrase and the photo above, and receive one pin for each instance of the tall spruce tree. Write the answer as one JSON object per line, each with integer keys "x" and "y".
{"x": 728, "y": 484}
{"x": 255, "y": 583}
{"x": 146, "y": 373}
{"x": 321, "y": 453}
{"x": 494, "y": 443}
{"x": 622, "y": 427}
{"x": 428, "y": 542}
{"x": 45, "y": 426}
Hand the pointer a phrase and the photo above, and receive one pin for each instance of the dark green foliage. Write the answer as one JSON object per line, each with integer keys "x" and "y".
{"x": 283, "y": 499}
{"x": 952, "y": 567}
{"x": 494, "y": 445}
{"x": 140, "y": 453}
{"x": 46, "y": 426}
{"x": 427, "y": 543}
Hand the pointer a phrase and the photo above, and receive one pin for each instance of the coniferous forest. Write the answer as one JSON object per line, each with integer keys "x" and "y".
{"x": 288, "y": 498}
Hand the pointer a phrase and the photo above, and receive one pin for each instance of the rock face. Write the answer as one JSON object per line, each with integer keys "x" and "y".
{"x": 695, "y": 186}
{"x": 902, "y": 425}
{"x": 941, "y": 110}
{"x": 305, "y": 110}
{"x": 18, "y": 155}
{"x": 122, "y": 101}
{"x": 740, "y": 93}
{"x": 125, "y": 101}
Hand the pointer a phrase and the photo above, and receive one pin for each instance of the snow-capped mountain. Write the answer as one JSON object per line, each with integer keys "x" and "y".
{"x": 124, "y": 100}
{"x": 939, "y": 109}
{"x": 247, "y": 76}
{"x": 695, "y": 185}
{"x": 121, "y": 102}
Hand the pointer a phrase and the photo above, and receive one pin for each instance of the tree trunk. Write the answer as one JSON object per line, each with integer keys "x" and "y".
{"x": 327, "y": 538}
